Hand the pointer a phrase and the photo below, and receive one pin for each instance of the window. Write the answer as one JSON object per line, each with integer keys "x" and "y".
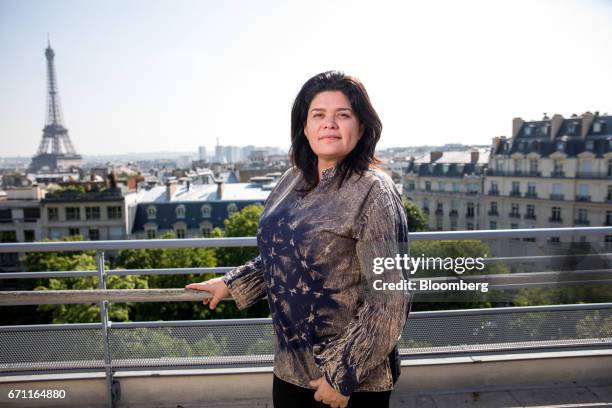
{"x": 470, "y": 210}
{"x": 533, "y": 166}
{"x": 494, "y": 187}
{"x": 583, "y": 190}
{"x": 8, "y": 236}
{"x": 555, "y": 215}
{"x": 472, "y": 188}
{"x": 428, "y": 186}
{"x": 531, "y": 189}
{"x": 516, "y": 188}
{"x": 557, "y": 167}
{"x": 609, "y": 197}
{"x": 499, "y": 165}
{"x": 469, "y": 226}
{"x": 456, "y": 187}
{"x": 585, "y": 166}
{"x": 609, "y": 168}
{"x": 53, "y": 214}
{"x": 596, "y": 127}
{"x": 557, "y": 191}
{"x": 439, "y": 207}
{"x": 518, "y": 165}
{"x": 206, "y": 229}
{"x": 453, "y": 224}
{"x": 493, "y": 208}
{"x": 5, "y": 216}
{"x": 530, "y": 214}
{"x": 206, "y": 211}
{"x": 514, "y": 226}
{"x": 114, "y": 212}
{"x": 231, "y": 209}
{"x": 180, "y": 232}
{"x": 29, "y": 236}
{"x": 92, "y": 213}
{"x": 73, "y": 213}
{"x": 583, "y": 214}
{"x": 441, "y": 186}
{"x": 74, "y": 231}
{"x": 180, "y": 211}
{"x": 608, "y": 218}
{"x": 514, "y": 210}
{"x": 31, "y": 214}
{"x": 493, "y": 225}
{"x": 151, "y": 212}
{"x": 94, "y": 234}
{"x": 151, "y": 233}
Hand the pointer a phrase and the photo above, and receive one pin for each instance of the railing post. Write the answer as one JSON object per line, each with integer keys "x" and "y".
{"x": 112, "y": 395}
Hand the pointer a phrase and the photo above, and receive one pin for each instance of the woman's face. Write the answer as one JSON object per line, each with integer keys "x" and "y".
{"x": 332, "y": 128}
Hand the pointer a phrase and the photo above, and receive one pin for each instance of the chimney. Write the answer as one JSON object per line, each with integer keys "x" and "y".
{"x": 587, "y": 121}
{"x": 474, "y": 156}
{"x": 170, "y": 189}
{"x": 220, "y": 188}
{"x": 517, "y": 124}
{"x": 556, "y": 122}
{"x": 434, "y": 155}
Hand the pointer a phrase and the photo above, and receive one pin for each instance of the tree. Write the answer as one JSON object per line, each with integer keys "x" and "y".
{"x": 416, "y": 219}
{"x": 241, "y": 224}
{"x": 77, "y": 261}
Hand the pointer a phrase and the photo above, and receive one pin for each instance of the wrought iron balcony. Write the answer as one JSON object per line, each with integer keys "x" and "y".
{"x": 515, "y": 193}
{"x": 583, "y": 198}
{"x": 514, "y": 215}
{"x": 558, "y": 197}
{"x": 531, "y": 194}
{"x": 555, "y": 220}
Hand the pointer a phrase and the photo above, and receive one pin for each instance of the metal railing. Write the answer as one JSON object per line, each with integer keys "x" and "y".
{"x": 249, "y": 342}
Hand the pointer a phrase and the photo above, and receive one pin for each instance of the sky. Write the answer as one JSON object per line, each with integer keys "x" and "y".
{"x": 146, "y": 75}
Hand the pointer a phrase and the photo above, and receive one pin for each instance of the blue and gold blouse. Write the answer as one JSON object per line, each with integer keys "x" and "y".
{"x": 316, "y": 269}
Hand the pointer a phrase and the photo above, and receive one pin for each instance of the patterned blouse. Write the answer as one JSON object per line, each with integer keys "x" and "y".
{"x": 316, "y": 267}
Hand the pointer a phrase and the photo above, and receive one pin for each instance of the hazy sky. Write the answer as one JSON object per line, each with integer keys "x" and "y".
{"x": 173, "y": 75}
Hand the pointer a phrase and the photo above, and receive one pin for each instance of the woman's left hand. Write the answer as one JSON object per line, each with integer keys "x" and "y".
{"x": 328, "y": 395}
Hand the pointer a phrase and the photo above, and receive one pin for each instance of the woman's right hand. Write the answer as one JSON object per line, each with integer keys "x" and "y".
{"x": 216, "y": 287}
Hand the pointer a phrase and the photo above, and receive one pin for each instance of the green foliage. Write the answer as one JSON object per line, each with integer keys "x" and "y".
{"x": 594, "y": 326}
{"x": 78, "y": 261}
{"x": 240, "y": 224}
{"x": 416, "y": 219}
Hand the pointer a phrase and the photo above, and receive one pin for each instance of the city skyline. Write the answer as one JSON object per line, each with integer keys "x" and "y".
{"x": 178, "y": 77}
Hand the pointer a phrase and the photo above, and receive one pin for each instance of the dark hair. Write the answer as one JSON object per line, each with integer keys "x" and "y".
{"x": 362, "y": 156}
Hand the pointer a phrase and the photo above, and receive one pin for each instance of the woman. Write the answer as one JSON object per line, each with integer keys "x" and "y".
{"x": 326, "y": 220}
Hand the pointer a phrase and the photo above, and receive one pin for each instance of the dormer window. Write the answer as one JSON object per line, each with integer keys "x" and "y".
{"x": 206, "y": 211}
{"x": 180, "y": 211}
{"x": 151, "y": 212}
{"x": 231, "y": 209}
{"x": 589, "y": 145}
{"x": 528, "y": 131}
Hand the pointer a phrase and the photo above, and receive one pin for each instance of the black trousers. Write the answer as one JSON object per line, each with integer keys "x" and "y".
{"x": 286, "y": 395}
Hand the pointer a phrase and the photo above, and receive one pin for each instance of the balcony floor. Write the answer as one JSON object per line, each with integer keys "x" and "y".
{"x": 578, "y": 396}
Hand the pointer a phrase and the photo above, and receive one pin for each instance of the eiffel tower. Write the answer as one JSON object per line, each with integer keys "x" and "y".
{"x": 56, "y": 152}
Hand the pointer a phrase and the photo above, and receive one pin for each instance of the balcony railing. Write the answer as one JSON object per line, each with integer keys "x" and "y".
{"x": 593, "y": 175}
{"x": 514, "y": 215}
{"x": 529, "y": 216}
{"x": 248, "y": 344}
{"x": 558, "y": 197}
{"x": 515, "y": 193}
{"x": 531, "y": 194}
{"x": 582, "y": 221}
{"x": 493, "y": 213}
{"x": 557, "y": 174}
{"x": 493, "y": 192}
{"x": 583, "y": 198}
{"x": 555, "y": 220}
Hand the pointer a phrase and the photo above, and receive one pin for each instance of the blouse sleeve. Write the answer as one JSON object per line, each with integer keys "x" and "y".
{"x": 347, "y": 359}
{"x": 246, "y": 283}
